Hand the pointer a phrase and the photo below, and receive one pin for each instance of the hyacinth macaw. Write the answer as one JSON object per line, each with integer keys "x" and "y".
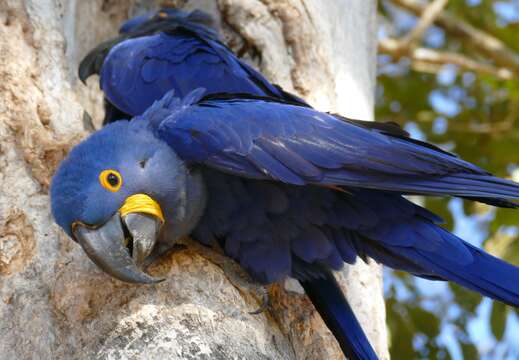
{"x": 175, "y": 50}
{"x": 171, "y": 49}
{"x": 284, "y": 189}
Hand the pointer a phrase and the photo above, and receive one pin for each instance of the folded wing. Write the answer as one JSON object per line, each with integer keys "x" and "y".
{"x": 266, "y": 139}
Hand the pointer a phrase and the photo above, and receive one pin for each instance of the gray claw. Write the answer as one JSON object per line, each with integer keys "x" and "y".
{"x": 265, "y": 302}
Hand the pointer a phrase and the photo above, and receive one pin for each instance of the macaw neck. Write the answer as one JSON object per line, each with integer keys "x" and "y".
{"x": 186, "y": 214}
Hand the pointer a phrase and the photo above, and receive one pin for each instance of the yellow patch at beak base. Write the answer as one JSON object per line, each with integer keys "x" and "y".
{"x": 141, "y": 203}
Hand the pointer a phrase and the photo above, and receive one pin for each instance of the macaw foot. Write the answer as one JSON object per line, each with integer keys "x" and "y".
{"x": 236, "y": 276}
{"x": 160, "y": 250}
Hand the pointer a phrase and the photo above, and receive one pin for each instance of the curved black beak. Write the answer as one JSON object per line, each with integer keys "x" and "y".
{"x": 121, "y": 244}
{"x": 93, "y": 61}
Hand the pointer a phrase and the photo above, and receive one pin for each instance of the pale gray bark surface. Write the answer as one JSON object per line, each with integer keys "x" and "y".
{"x": 53, "y": 302}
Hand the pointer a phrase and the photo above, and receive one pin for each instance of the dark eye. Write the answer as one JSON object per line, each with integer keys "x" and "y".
{"x": 111, "y": 180}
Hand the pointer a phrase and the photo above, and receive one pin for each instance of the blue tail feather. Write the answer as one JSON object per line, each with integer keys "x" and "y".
{"x": 479, "y": 271}
{"x": 329, "y": 301}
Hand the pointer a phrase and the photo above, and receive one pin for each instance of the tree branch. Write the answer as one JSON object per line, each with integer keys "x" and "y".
{"x": 405, "y": 45}
{"x": 481, "y": 41}
{"x": 427, "y": 18}
{"x": 425, "y": 56}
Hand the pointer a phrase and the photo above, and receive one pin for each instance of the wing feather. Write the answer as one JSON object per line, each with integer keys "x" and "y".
{"x": 266, "y": 139}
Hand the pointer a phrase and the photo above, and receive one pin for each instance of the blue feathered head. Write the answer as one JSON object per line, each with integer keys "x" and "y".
{"x": 119, "y": 192}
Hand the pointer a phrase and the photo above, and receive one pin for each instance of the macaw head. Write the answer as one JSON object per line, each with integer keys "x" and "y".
{"x": 121, "y": 191}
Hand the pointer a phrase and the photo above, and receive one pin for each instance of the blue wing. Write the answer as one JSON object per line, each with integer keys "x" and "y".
{"x": 265, "y": 139}
{"x": 164, "y": 20}
{"x": 139, "y": 71}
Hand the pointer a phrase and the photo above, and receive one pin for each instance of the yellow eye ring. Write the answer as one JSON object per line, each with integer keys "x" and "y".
{"x": 111, "y": 180}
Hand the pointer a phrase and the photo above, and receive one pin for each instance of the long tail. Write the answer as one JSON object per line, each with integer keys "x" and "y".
{"x": 328, "y": 299}
{"x": 438, "y": 254}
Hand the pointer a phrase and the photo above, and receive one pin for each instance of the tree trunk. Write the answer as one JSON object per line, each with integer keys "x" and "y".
{"x": 54, "y": 302}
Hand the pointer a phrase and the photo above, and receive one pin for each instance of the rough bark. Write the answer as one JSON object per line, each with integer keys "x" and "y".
{"x": 54, "y": 302}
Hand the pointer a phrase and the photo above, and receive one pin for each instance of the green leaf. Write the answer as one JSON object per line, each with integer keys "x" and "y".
{"x": 498, "y": 319}
{"x": 466, "y": 299}
{"x": 425, "y": 321}
{"x": 469, "y": 351}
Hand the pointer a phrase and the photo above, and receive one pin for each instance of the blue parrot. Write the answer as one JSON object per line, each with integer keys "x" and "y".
{"x": 175, "y": 50}
{"x": 284, "y": 189}
{"x": 172, "y": 49}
